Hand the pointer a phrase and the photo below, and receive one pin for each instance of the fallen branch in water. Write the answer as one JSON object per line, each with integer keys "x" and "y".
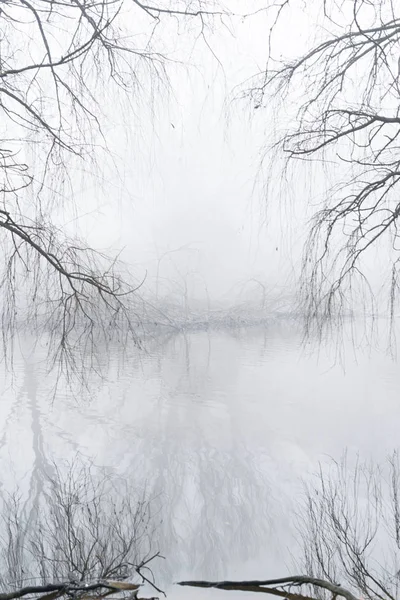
{"x": 78, "y": 590}
{"x": 277, "y": 587}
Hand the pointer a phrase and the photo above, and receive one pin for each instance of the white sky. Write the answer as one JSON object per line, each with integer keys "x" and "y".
{"x": 189, "y": 167}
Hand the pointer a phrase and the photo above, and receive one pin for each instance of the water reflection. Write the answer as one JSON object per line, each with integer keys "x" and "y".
{"x": 218, "y": 427}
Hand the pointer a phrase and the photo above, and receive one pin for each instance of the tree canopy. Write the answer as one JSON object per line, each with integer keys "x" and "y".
{"x": 344, "y": 94}
{"x": 59, "y": 59}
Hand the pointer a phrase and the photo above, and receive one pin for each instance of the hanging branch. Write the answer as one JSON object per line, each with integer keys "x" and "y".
{"x": 343, "y": 94}
{"x": 62, "y": 65}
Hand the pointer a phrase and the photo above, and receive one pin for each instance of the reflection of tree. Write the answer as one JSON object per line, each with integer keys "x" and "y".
{"x": 214, "y": 507}
{"x": 30, "y": 394}
{"x": 349, "y": 528}
{"x": 85, "y": 527}
{"x": 209, "y": 487}
{"x": 170, "y": 424}
{"x": 41, "y": 467}
{"x": 25, "y": 393}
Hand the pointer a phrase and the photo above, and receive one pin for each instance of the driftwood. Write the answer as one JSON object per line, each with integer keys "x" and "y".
{"x": 282, "y": 587}
{"x": 93, "y": 590}
{"x": 78, "y": 591}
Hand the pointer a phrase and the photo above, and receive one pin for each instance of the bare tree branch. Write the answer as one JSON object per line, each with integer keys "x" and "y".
{"x": 86, "y": 536}
{"x": 57, "y": 57}
{"x": 348, "y": 528}
{"x": 271, "y": 586}
{"x": 346, "y": 116}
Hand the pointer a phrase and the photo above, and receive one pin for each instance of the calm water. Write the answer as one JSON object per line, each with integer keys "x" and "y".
{"x": 219, "y": 427}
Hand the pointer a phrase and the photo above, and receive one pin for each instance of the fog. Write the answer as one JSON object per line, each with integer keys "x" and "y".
{"x": 189, "y": 201}
{"x": 220, "y": 428}
{"x": 222, "y": 406}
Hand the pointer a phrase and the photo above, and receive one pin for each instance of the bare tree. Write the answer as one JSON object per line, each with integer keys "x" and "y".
{"x": 89, "y": 531}
{"x": 59, "y": 62}
{"x": 349, "y": 527}
{"x": 345, "y": 93}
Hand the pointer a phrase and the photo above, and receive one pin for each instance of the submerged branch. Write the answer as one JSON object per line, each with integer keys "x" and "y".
{"x": 271, "y": 586}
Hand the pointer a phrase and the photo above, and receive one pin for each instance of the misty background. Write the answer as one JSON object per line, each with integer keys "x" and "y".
{"x": 187, "y": 197}
{"x": 221, "y": 415}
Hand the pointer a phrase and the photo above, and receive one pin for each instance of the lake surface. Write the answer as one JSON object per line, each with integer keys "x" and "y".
{"x": 219, "y": 427}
